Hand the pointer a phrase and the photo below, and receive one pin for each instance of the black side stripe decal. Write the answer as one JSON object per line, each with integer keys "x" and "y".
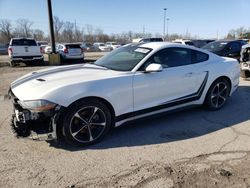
{"x": 182, "y": 100}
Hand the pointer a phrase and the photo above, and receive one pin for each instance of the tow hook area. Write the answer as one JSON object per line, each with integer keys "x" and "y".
{"x": 35, "y": 126}
{"x": 19, "y": 128}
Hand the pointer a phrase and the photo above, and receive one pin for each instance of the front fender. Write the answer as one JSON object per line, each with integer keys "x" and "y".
{"x": 117, "y": 91}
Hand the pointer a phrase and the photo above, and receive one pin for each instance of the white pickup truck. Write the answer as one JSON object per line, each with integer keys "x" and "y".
{"x": 25, "y": 50}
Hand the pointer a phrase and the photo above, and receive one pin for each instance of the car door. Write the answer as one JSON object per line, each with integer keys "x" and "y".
{"x": 179, "y": 80}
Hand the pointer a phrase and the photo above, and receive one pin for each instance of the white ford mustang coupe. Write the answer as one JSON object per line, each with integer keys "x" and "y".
{"x": 82, "y": 102}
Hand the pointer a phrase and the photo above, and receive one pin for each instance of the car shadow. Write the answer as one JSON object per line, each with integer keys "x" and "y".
{"x": 173, "y": 127}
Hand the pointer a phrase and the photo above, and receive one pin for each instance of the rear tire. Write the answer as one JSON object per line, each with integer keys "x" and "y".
{"x": 12, "y": 63}
{"x": 41, "y": 62}
{"x": 86, "y": 122}
{"x": 217, "y": 94}
{"x": 63, "y": 61}
{"x": 31, "y": 63}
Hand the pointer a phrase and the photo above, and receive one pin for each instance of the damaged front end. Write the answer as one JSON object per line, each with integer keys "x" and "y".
{"x": 35, "y": 119}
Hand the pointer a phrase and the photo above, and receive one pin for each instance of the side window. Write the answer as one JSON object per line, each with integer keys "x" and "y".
{"x": 198, "y": 57}
{"x": 170, "y": 57}
{"x": 234, "y": 47}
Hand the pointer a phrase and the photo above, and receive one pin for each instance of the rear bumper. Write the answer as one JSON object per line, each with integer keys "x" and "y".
{"x": 26, "y": 58}
{"x": 105, "y": 50}
{"x": 73, "y": 57}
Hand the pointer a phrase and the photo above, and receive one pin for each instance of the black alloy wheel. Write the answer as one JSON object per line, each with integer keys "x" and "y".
{"x": 217, "y": 94}
{"x": 86, "y": 122}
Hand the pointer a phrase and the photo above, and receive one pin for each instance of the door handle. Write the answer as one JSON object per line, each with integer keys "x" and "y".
{"x": 189, "y": 74}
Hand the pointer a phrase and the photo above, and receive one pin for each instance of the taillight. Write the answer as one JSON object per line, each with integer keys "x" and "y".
{"x": 65, "y": 50}
{"x": 10, "y": 51}
{"x": 41, "y": 50}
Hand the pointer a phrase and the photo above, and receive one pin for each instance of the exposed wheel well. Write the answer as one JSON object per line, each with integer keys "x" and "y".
{"x": 221, "y": 77}
{"x": 104, "y": 101}
{"x": 227, "y": 79}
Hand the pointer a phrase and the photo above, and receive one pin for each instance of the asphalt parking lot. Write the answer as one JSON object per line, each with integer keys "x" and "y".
{"x": 191, "y": 148}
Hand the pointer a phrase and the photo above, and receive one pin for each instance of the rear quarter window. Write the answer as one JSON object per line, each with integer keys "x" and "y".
{"x": 72, "y": 46}
{"x": 198, "y": 57}
{"x": 23, "y": 42}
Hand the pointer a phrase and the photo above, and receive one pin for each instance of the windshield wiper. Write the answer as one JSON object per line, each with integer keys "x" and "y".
{"x": 97, "y": 65}
{"x": 100, "y": 65}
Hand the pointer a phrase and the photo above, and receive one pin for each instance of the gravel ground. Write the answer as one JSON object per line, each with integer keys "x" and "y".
{"x": 192, "y": 148}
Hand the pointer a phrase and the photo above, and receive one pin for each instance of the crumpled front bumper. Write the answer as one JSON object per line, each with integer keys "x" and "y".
{"x": 34, "y": 125}
{"x": 245, "y": 66}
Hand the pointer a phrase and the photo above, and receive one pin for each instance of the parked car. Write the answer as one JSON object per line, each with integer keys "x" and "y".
{"x": 70, "y": 51}
{"x": 151, "y": 40}
{"x": 101, "y": 47}
{"x": 3, "y": 49}
{"x": 47, "y": 50}
{"x": 88, "y": 47}
{"x": 82, "y": 102}
{"x": 245, "y": 61}
{"x": 43, "y": 45}
{"x": 226, "y": 48}
{"x": 143, "y": 40}
{"x": 25, "y": 50}
{"x": 112, "y": 45}
{"x": 201, "y": 42}
{"x": 182, "y": 41}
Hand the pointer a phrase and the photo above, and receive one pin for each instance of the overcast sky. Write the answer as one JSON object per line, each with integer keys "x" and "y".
{"x": 203, "y": 18}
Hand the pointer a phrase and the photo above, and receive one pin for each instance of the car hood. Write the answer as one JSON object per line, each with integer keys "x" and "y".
{"x": 39, "y": 84}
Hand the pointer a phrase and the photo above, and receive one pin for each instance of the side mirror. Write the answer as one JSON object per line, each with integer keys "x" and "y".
{"x": 153, "y": 68}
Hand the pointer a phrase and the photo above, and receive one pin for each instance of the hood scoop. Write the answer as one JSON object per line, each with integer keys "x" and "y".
{"x": 40, "y": 80}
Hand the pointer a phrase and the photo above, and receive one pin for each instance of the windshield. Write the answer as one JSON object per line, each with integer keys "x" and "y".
{"x": 215, "y": 46}
{"x": 124, "y": 58}
{"x": 23, "y": 42}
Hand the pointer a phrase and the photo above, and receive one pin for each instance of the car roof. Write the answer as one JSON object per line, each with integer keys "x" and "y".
{"x": 22, "y": 38}
{"x": 156, "y": 46}
{"x": 227, "y": 41}
{"x": 159, "y": 45}
{"x": 70, "y": 44}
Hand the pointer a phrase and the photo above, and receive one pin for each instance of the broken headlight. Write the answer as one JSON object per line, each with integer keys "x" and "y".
{"x": 37, "y": 105}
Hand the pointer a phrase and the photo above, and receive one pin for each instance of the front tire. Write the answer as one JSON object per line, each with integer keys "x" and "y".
{"x": 217, "y": 94}
{"x": 86, "y": 122}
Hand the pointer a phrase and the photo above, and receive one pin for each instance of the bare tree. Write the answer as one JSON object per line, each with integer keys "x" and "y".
{"x": 5, "y": 30}
{"x": 174, "y": 36}
{"x": 58, "y": 26}
{"x": 78, "y": 35}
{"x": 23, "y": 28}
{"x": 237, "y": 33}
{"x": 68, "y": 32}
{"x": 89, "y": 37}
{"x": 38, "y": 35}
{"x": 100, "y": 36}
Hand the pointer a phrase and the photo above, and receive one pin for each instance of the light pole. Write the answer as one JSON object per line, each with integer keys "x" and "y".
{"x": 51, "y": 27}
{"x": 164, "y": 23}
{"x": 167, "y": 28}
